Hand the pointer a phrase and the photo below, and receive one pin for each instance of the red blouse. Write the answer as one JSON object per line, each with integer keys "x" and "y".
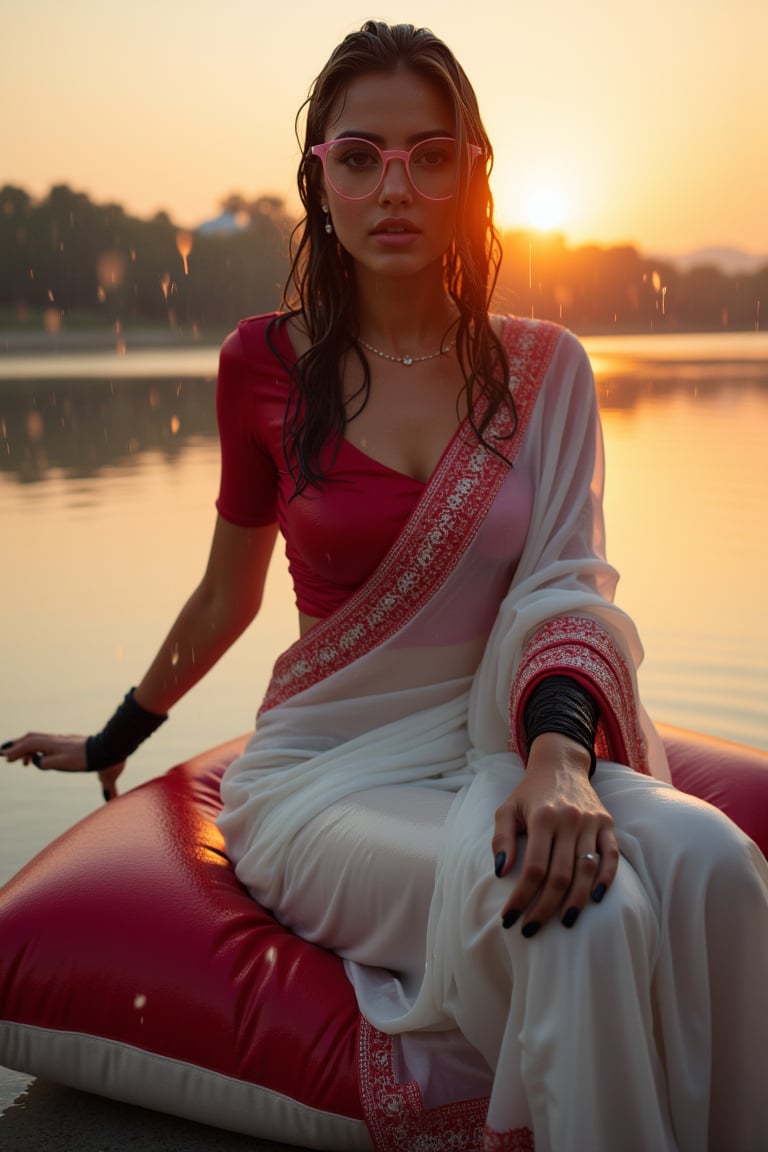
{"x": 336, "y": 535}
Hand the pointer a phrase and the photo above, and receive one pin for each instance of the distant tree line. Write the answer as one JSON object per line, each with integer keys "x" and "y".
{"x": 593, "y": 289}
{"x": 65, "y": 257}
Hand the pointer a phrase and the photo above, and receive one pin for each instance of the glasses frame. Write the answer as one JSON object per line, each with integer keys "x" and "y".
{"x": 320, "y": 151}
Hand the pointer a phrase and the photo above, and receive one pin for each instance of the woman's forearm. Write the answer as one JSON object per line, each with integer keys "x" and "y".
{"x": 203, "y": 631}
{"x": 218, "y": 611}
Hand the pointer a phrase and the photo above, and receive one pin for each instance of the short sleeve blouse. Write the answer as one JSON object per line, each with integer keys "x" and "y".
{"x": 335, "y": 535}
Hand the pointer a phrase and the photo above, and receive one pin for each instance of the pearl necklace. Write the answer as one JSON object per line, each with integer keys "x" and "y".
{"x": 406, "y": 361}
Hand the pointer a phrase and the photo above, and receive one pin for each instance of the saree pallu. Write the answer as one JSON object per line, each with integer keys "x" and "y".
{"x": 361, "y": 812}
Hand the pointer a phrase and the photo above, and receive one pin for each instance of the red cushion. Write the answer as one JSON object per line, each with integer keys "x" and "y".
{"x": 731, "y": 776}
{"x": 133, "y": 928}
{"x": 133, "y": 964}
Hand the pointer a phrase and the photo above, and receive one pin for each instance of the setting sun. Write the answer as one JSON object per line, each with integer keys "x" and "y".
{"x": 538, "y": 200}
{"x": 544, "y": 208}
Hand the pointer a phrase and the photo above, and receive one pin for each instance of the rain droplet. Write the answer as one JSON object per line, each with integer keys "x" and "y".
{"x": 110, "y": 269}
{"x": 52, "y": 320}
{"x": 34, "y": 425}
{"x": 184, "y": 242}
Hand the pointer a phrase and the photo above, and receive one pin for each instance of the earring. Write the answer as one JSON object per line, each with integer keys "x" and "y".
{"x": 328, "y": 225}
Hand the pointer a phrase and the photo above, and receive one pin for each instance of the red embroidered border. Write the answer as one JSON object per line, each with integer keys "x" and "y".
{"x": 435, "y": 537}
{"x": 397, "y": 1120}
{"x": 516, "y": 1140}
{"x": 395, "y": 1114}
{"x": 580, "y": 645}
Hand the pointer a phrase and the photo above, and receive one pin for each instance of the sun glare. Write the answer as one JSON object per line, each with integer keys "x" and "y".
{"x": 544, "y": 208}
{"x": 537, "y": 202}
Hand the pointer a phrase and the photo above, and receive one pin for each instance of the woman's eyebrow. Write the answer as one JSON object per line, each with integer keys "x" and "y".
{"x": 375, "y": 138}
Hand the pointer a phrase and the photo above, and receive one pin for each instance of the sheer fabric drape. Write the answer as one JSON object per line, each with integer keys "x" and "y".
{"x": 361, "y": 813}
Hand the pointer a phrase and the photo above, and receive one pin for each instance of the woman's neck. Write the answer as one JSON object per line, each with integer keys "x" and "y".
{"x": 404, "y": 314}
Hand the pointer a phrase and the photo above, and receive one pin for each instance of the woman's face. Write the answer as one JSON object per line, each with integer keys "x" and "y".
{"x": 394, "y": 230}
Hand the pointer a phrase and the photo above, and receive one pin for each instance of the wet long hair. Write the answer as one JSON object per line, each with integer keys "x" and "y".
{"x": 321, "y": 282}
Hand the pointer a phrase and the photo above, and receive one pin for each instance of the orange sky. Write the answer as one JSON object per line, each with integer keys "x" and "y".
{"x": 616, "y": 122}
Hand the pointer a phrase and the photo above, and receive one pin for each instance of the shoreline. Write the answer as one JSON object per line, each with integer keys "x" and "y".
{"x": 34, "y": 341}
{"x": 37, "y": 341}
{"x": 91, "y": 353}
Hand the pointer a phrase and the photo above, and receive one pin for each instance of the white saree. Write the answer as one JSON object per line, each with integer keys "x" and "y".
{"x": 361, "y": 814}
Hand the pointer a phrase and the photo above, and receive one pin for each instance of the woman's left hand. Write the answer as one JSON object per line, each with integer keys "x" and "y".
{"x": 571, "y": 854}
{"x": 50, "y": 752}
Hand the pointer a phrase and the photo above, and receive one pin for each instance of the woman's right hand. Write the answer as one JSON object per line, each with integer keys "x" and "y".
{"x": 571, "y": 853}
{"x": 60, "y": 754}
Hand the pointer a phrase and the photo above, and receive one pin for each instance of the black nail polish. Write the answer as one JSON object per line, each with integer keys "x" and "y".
{"x": 531, "y": 929}
{"x": 105, "y": 794}
{"x": 599, "y": 892}
{"x": 570, "y": 918}
{"x": 6, "y": 745}
{"x": 499, "y": 861}
{"x": 510, "y": 918}
{"x": 37, "y": 759}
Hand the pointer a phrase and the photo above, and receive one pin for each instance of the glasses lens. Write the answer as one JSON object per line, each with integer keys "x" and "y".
{"x": 433, "y": 168}
{"x": 353, "y": 167}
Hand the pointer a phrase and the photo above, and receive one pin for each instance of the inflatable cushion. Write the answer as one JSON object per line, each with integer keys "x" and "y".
{"x": 134, "y": 965}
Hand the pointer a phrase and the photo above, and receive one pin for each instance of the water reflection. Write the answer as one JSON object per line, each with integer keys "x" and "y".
{"x": 80, "y": 427}
{"x": 640, "y": 383}
{"x": 81, "y": 415}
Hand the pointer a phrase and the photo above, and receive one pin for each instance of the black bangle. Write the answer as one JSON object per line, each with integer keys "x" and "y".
{"x": 121, "y": 735}
{"x": 560, "y": 704}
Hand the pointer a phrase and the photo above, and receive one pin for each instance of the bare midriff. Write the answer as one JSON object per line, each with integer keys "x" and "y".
{"x": 306, "y": 623}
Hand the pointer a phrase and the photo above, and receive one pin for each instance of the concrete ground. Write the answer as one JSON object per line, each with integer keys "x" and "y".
{"x": 37, "y": 1116}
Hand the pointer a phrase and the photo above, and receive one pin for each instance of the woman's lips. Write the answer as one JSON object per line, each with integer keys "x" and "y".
{"x": 395, "y": 233}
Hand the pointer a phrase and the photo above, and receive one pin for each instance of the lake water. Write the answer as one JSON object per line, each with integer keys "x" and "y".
{"x": 109, "y": 470}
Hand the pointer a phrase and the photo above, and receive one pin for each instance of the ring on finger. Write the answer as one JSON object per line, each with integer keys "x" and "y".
{"x": 588, "y": 856}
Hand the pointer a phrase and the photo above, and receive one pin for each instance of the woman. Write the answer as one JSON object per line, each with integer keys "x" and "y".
{"x": 548, "y": 948}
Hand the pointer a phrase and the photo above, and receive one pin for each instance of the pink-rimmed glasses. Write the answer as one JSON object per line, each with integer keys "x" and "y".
{"x": 355, "y": 167}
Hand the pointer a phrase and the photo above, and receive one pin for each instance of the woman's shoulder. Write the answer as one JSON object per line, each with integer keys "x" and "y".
{"x": 521, "y": 335}
{"x": 254, "y": 365}
{"x": 258, "y": 341}
{"x": 547, "y": 361}
{"x": 507, "y": 325}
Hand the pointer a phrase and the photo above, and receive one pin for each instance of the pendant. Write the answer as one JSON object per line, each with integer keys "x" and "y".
{"x": 407, "y": 361}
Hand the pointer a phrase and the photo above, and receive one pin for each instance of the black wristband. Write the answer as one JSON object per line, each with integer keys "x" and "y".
{"x": 560, "y": 704}
{"x": 121, "y": 735}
